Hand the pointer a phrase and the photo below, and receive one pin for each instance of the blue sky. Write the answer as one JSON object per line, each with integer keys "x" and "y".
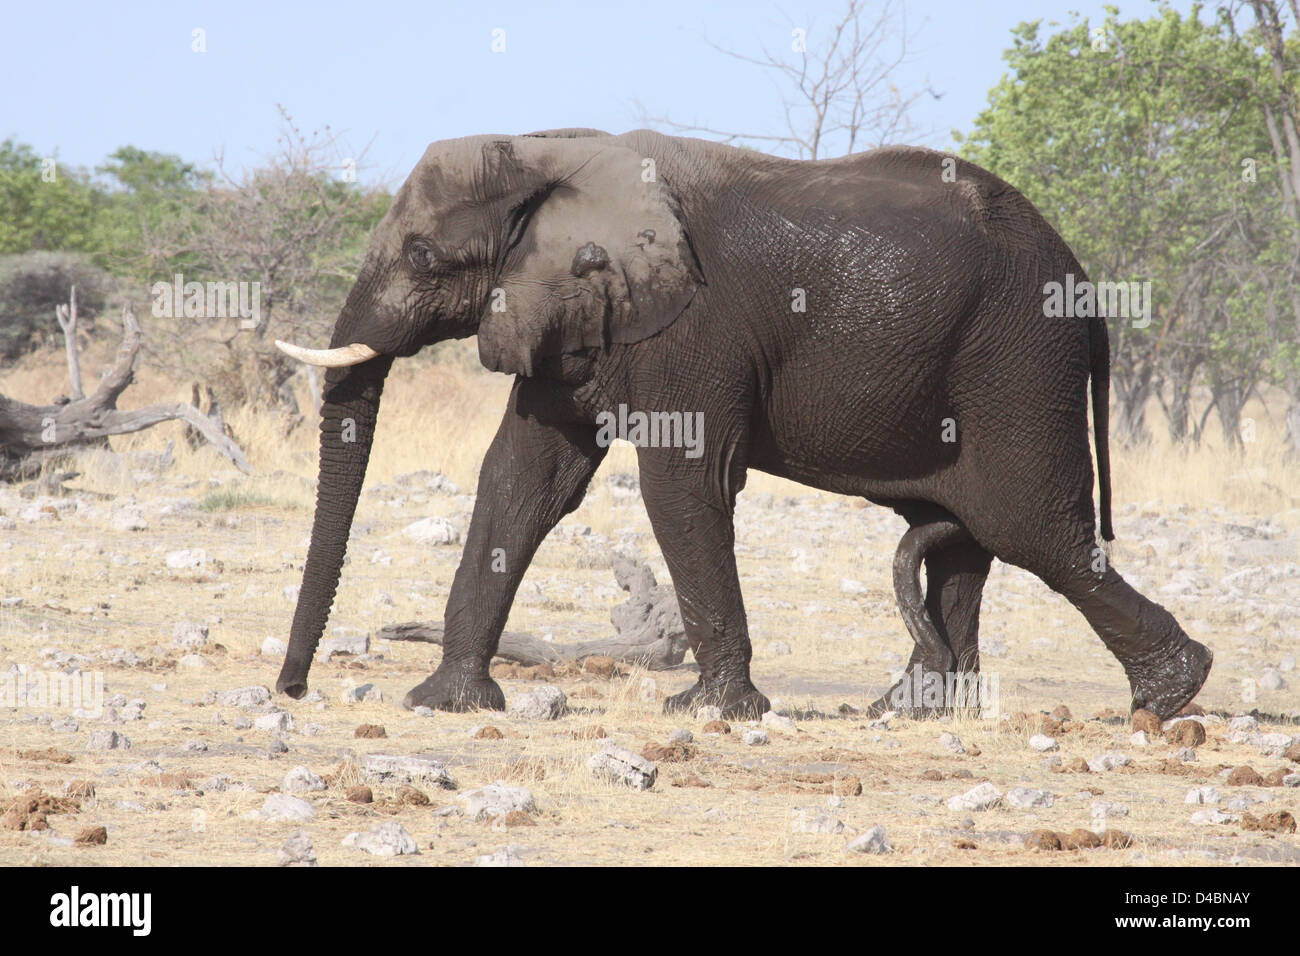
{"x": 83, "y": 78}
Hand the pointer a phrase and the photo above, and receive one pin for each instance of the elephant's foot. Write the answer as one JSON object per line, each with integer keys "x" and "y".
{"x": 1166, "y": 682}
{"x": 925, "y": 693}
{"x": 456, "y": 690}
{"x": 737, "y": 699}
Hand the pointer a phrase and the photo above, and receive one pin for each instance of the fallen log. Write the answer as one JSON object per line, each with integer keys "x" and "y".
{"x": 519, "y": 647}
{"x": 648, "y": 628}
{"x": 33, "y": 435}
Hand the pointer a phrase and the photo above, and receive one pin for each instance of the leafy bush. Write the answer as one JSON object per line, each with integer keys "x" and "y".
{"x": 32, "y": 284}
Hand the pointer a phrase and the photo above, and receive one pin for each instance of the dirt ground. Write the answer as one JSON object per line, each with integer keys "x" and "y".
{"x": 91, "y": 584}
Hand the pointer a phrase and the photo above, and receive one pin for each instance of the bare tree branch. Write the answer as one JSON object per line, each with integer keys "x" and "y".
{"x": 31, "y": 435}
{"x": 841, "y": 96}
{"x": 66, "y": 315}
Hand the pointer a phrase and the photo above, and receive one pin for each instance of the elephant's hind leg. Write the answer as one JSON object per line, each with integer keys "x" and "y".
{"x": 1053, "y": 537}
{"x": 944, "y": 622}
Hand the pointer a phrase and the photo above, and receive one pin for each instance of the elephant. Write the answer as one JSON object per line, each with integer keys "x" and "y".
{"x": 872, "y": 325}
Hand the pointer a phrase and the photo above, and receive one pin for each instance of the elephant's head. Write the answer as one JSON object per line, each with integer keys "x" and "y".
{"x": 539, "y": 245}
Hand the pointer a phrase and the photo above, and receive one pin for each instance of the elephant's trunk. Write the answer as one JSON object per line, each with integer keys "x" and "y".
{"x": 348, "y": 411}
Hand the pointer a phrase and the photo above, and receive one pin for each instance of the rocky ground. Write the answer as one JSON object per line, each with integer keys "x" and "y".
{"x": 179, "y": 596}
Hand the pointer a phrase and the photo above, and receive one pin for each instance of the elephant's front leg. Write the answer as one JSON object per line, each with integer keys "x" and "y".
{"x": 533, "y": 475}
{"x": 690, "y": 503}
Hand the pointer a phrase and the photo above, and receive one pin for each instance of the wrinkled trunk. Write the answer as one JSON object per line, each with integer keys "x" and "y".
{"x": 348, "y": 412}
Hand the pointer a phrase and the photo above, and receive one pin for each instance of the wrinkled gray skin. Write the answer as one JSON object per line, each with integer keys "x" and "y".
{"x": 675, "y": 292}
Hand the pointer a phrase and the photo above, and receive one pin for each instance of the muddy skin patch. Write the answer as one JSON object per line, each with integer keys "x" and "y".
{"x": 589, "y": 258}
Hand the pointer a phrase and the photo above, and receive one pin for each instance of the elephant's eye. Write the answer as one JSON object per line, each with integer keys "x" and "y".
{"x": 421, "y": 256}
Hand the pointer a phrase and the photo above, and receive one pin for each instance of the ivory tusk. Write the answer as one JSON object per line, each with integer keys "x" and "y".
{"x": 353, "y": 354}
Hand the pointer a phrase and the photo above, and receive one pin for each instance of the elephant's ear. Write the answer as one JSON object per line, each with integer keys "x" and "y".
{"x": 595, "y": 252}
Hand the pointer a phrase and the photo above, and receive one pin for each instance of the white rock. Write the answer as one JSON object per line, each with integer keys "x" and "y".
{"x": 882, "y": 722}
{"x": 1245, "y": 801}
{"x": 354, "y": 644}
{"x": 386, "y": 768}
{"x": 362, "y": 693}
{"x": 1274, "y": 745}
{"x": 1206, "y": 817}
{"x": 983, "y": 797}
{"x": 850, "y": 586}
{"x": 383, "y": 839}
{"x": 297, "y": 850}
{"x": 1272, "y": 680}
{"x": 1023, "y": 798}
{"x": 189, "y": 636}
{"x": 127, "y": 520}
{"x": 432, "y": 530}
{"x": 1043, "y": 744}
{"x": 544, "y": 702}
{"x": 302, "y": 780}
{"x": 708, "y": 712}
{"x": 1109, "y": 761}
{"x": 276, "y": 722}
{"x": 1202, "y": 795}
{"x": 874, "y": 840}
{"x": 284, "y": 806}
{"x": 506, "y": 857}
{"x": 108, "y": 740}
{"x": 952, "y": 743}
{"x": 617, "y": 765}
{"x": 244, "y": 697}
{"x": 186, "y": 558}
{"x": 811, "y": 820}
{"x": 1103, "y": 808}
{"x": 755, "y": 738}
{"x": 496, "y": 799}
{"x": 1244, "y": 722}
{"x": 193, "y": 662}
{"x": 1140, "y": 739}
{"x": 274, "y": 647}
{"x": 774, "y": 721}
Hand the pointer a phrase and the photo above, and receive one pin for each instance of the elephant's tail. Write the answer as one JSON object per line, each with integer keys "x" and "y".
{"x": 1099, "y": 357}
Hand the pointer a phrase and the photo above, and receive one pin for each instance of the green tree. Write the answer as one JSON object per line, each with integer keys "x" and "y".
{"x": 1129, "y": 137}
{"x": 146, "y": 191}
{"x": 43, "y": 205}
